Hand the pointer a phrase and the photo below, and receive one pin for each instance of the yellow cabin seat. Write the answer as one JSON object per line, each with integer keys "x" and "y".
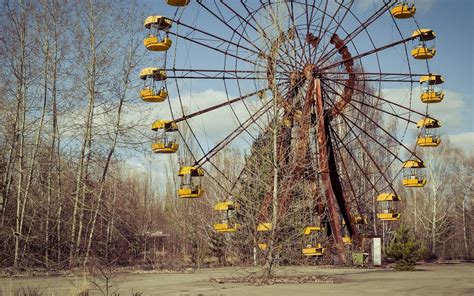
{"x": 177, "y": 2}
{"x": 148, "y": 95}
{"x": 152, "y": 43}
{"x": 423, "y": 53}
{"x": 225, "y": 227}
{"x": 317, "y": 250}
{"x": 193, "y": 191}
{"x": 164, "y": 147}
{"x": 414, "y": 181}
{"x": 431, "y": 96}
{"x": 264, "y": 227}
{"x": 389, "y": 216}
{"x": 428, "y": 141}
{"x": 403, "y": 11}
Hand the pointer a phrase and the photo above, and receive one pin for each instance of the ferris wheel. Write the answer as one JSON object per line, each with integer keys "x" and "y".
{"x": 317, "y": 71}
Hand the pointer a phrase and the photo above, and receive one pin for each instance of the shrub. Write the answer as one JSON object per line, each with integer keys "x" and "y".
{"x": 405, "y": 249}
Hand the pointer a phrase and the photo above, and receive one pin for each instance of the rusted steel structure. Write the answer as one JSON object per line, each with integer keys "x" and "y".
{"x": 304, "y": 57}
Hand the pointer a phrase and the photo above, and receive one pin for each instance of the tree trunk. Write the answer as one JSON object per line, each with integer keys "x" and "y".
{"x": 21, "y": 97}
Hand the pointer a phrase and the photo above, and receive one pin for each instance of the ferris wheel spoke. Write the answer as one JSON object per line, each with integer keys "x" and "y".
{"x": 291, "y": 11}
{"x": 226, "y": 23}
{"x": 211, "y": 47}
{"x": 349, "y": 152}
{"x": 261, "y": 31}
{"x": 320, "y": 28}
{"x": 365, "y": 149}
{"x": 354, "y": 125}
{"x": 237, "y": 117}
{"x": 395, "y": 79}
{"x": 367, "y": 53}
{"x": 387, "y": 5}
{"x": 381, "y": 128}
{"x": 380, "y": 98}
{"x": 215, "y": 107}
{"x": 309, "y": 20}
{"x": 346, "y": 172}
{"x": 183, "y": 138}
{"x": 374, "y": 107}
{"x": 234, "y": 134}
{"x": 221, "y": 39}
{"x": 338, "y": 25}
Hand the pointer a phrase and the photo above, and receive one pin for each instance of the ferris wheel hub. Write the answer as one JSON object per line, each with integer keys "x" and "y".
{"x": 310, "y": 70}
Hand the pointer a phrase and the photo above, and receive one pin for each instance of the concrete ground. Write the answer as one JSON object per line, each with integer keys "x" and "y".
{"x": 429, "y": 279}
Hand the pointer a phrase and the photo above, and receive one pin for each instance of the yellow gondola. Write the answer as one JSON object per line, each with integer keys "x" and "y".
{"x": 262, "y": 246}
{"x": 227, "y": 225}
{"x": 150, "y": 93}
{"x": 163, "y": 144}
{"x": 156, "y": 24}
{"x": 429, "y": 135}
{"x": 388, "y": 207}
{"x": 411, "y": 176}
{"x": 422, "y": 51}
{"x": 403, "y": 10}
{"x": 177, "y": 2}
{"x": 430, "y": 94}
{"x": 154, "y": 44}
{"x": 312, "y": 248}
{"x": 187, "y": 188}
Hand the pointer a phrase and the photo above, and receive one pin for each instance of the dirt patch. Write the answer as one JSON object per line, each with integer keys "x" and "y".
{"x": 262, "y": 281}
